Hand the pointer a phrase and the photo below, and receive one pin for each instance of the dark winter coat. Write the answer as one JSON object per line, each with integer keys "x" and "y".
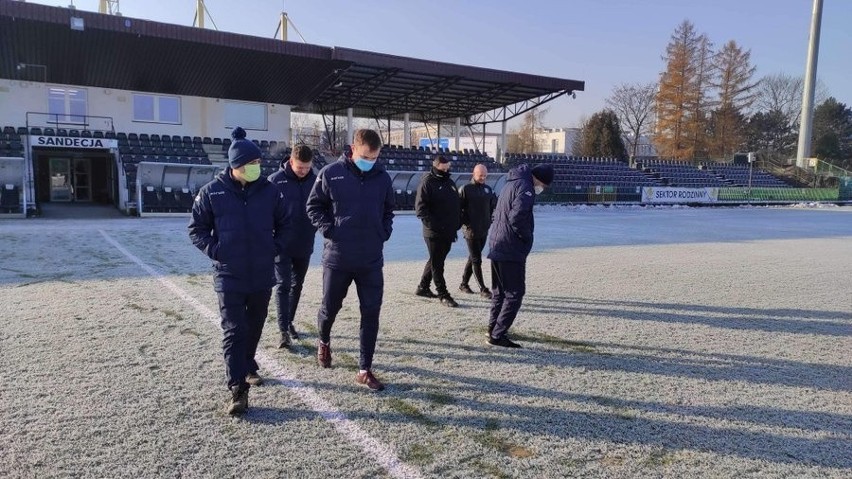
{"x": 437, "y": 205}
{"x": 353, "y": 211}
{"x": 477, "y": 205}
{"x": 296, "y": 191}
{"x": 242, "y": 229}
{"x": 511, "y": 236}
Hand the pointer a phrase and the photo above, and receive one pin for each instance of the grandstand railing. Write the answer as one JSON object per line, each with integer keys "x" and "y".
{"x": 71, "y": 121}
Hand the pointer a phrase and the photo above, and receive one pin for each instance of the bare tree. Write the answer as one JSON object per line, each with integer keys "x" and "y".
{"x": 783, "y": 93}
{"x": 634, "y": 104}
{"x": 523, "y": 138}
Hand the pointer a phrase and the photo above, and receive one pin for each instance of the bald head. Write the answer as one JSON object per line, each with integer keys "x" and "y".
{"x": 480, "y": 172}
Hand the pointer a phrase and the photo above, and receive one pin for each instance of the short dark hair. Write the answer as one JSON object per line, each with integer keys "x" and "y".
{"x": 367, "y": 137}
{"x": 439, "y": 160}
{"x": 302, "y": 153}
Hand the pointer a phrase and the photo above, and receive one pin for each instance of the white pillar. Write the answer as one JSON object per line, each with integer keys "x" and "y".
{"x": 458, "y": 134}
{"x": 805, "y": 128}
{"x": 406, "y": 131}
{"x": 349, "y": 132}
{"x": 502, "y": 158}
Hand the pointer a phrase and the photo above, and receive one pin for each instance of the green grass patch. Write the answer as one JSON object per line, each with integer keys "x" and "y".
{"x": 490, "y": 438}
{"x": 419, "y": 454}
{"x": 659, "y": 458}
{"x": 344, "y": 360}
{"x": 490, "y": 470}
{"x": 169, "y": 313}
{"x": 440, "y": 398}
{"x": 408, "y": 410}
{"x": 544, "y": 338}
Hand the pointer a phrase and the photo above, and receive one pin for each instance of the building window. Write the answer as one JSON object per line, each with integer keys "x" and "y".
{"x": 67, "y": 105}
{"x": 554, "y": 146}
{"x": 250, "y": 116}
{"x": 156, "y": 108}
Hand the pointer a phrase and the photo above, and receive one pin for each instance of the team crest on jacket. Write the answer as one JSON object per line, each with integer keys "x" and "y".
{"x": 529, "y": 193}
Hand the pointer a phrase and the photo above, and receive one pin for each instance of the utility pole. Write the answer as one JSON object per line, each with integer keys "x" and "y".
{"x": 806, "y": 126}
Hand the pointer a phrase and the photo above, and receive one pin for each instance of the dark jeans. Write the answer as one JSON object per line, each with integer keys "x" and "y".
{"x": 243, "y": 315}
{"x": 369, "y": 284}
{"x": 474, "y": 260}
{"x": 438, "y": 249}
{"x": 290, "y": 274}
{"x": 508, "y": 285}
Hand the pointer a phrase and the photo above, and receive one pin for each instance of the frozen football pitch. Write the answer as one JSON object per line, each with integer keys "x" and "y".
{"x": 666, "y": 342}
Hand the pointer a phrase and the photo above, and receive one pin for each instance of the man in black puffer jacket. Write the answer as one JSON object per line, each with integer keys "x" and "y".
{"x": 437, "y": 206}
{"x": 509, "y": 244}
{"x": 295, "y": 180}
{"x": 477, "y": 205}
{"x": 240, "y": 221}
{"x": 351, "y": 204}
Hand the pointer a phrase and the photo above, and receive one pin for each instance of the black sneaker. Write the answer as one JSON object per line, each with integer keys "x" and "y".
{"x": 239, "y": 401}
{"x": 285, "y": 341}
{"x": 465, "y": 289}
{"x": 504, "y": 341}
{"x": 293, "y": 334}
{"x": 485, "y": 293}
{"x": 425, "y": 292}
{"x": 448, "y": 301}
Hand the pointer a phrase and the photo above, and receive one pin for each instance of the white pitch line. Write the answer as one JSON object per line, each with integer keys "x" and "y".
{"x": 383, "y": 454}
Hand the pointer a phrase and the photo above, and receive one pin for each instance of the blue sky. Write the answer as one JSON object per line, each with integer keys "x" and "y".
{"x": 603, "y": 42}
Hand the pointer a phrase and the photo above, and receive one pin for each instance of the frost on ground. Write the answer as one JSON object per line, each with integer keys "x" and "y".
{"x": 659, "y": 342}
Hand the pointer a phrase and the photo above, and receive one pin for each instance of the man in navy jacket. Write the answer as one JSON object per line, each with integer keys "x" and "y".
{"x": 295, "y": 180}
{"x": 240, "y": 221}
{"x": 351, "y": 204}
{"x": 510, "y": 242}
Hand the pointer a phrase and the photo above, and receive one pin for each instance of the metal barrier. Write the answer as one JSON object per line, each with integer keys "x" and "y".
{"x": 777, "y": 195}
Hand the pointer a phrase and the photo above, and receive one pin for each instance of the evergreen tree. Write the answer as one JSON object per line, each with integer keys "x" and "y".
{"x": 601, "y": 136}
{"x": 736, "y": 94}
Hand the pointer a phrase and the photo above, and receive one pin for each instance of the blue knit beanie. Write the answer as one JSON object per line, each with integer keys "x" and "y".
{"x": 242, "y": 151}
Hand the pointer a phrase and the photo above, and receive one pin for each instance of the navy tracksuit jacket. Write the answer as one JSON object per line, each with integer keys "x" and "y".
{"x": 510, "y": 241}
{"x": 290, "y": 269}
{"x": 354, "y": 212}
{"x": 242, "y": 229}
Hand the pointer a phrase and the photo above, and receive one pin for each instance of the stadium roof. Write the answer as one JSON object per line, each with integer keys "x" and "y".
{"x": 43, "y": 43}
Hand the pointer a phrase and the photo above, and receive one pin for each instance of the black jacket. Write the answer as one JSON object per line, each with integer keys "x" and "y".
{"x": 242, "y": 229}
{"x": 296, "y": 191}
{"x": 437, "y": 205}
{"x": 354, "y": 212}
{"x": 511, "y": 236}
{"x": 477, "y": 206}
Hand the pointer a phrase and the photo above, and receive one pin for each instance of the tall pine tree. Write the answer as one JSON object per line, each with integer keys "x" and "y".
{"x": 737, "y": 91}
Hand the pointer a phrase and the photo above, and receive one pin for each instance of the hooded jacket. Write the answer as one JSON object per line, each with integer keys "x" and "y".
{"x": 477, "y": 205}
{"x": 242, "y": 229}
{"x": 437, "y": 205}
{"x": 296, "y": 191}
{"x": 353, "y": 210}
{"x": 511, "y": 236}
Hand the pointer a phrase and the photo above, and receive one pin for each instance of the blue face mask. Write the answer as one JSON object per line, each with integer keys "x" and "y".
{"x": 364, "y": 165}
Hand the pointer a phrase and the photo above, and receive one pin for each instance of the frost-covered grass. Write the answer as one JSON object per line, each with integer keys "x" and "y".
{"x": 658, "y": 342}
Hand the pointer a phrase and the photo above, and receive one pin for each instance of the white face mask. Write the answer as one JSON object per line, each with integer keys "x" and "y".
{"x": 538, "y": 189}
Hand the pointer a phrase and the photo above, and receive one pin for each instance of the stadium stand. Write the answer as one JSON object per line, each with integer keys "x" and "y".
{"x": 737, "y": 175}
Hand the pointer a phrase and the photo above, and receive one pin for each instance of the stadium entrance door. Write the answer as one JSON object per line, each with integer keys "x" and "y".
{"x": 75, "y": 177}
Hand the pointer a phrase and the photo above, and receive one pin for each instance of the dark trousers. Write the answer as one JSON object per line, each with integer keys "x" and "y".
{"x": 243, "y": 315}
{"x": 508, "y": 285}
{"x": 438, "y": 249}
{"x": 474, "y": 260}
{"x": 370, "y": 285}
{"x": 290, "y": 274}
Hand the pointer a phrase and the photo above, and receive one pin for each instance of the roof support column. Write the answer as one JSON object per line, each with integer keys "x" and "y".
{"x": 406, "y": 131}
{"x": 349, "y": 133}
{"x": 458, "y": 134}
{"x": 501, "y": 155}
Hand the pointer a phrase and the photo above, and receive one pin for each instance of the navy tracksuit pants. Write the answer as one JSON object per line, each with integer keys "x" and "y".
{"x": 243, "y": 315}
{"x": 370, "y": 285}
{"x": 508, "y": 285}
{"x": 473, "y": 266}
{"x": 438, "y": 249}
{"x": 290, "y": 274}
